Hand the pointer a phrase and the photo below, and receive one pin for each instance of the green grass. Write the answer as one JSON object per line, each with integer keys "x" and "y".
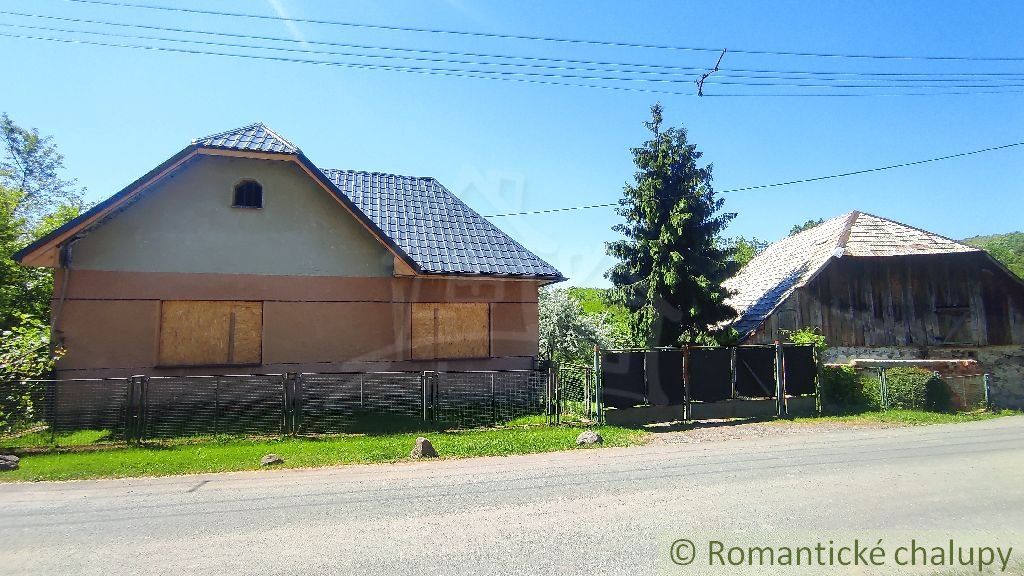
{"x": 906, "y": 417}
{"x": 43, "y": 439}
{"x": 233, "y": 454}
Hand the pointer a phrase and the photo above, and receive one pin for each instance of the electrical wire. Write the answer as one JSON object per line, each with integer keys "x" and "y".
{"x": 542, "y": 38}
{"x": 777, "y": 184}
{"x": 642, "y": 68}
{"x": 531, "y": 77}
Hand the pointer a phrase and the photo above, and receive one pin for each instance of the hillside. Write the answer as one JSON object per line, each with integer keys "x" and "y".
{"x": 1007, "y": 248}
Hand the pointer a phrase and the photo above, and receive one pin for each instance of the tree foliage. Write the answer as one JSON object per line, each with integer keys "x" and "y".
{"x": 744, "y": 249}
{"x": 568, "y": 334}
{"x": 798, "y": 228}
{"x": 671, "y": 263}
{"x": 1007, "y": 248}
{"x": 31, "y": 166}
{"x": 34, "y": 200}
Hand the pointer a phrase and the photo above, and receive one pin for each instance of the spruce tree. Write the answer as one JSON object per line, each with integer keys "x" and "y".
{"x": 672, "y": 261}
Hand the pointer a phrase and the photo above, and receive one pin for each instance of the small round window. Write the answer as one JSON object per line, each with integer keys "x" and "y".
{"x": 248, "y": 194}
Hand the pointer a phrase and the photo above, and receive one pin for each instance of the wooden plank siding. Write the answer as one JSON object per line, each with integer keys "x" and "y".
{"x": 924, "y": 300}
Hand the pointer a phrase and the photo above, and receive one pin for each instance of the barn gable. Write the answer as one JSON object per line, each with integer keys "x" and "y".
{"x": 775, "y": 274}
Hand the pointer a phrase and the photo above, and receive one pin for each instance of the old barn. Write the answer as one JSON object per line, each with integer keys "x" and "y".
{"x": 881, "y": 289}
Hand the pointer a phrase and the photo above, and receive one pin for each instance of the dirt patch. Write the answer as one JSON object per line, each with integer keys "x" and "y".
{"x": 720, "y": 430}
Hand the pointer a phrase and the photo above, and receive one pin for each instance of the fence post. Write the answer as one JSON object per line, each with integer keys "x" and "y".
{"x": 687, "y": 413}
{"x": 985, "y": 380}
{"x": 423, "y": 393}
{"x": 732, "y": 371}
{"x": 135, "y": 422}
{"x": 598, "y": 400}
{"x": 290, "y": 421}
{"x": 494, "y": 403}
{"x": 883, "y": 388}
{"x": 216, "y": 406}
{"x": 780, "y": 381}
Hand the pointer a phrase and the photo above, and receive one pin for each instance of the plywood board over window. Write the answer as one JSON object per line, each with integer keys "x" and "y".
{"x": 449, "y": 330}
{"x": 210, "y": 333}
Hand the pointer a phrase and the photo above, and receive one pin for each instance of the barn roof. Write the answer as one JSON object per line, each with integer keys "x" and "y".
{"x": 771, "y": 276}
{"x": 418, "y": 218}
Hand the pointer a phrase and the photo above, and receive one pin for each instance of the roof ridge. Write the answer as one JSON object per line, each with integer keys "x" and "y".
{"x": 219, "y": 134}
{"x": 277, "y": 135}
{"x": 352, "y": 171}
{"x": 844, "y": 235}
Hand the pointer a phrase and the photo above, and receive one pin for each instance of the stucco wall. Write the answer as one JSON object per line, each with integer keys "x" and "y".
{"x": 1005, "y": 364}
{"x": 186, "y": 224}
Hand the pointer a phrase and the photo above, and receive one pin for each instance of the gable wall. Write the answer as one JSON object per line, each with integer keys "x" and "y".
{"x": 900, "y": 301}
{"x": 185, "y": 224}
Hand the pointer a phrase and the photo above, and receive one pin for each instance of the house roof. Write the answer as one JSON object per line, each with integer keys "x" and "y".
{"x": 252, "y": 138}
{"x": 436, "y": 229}
{"x": 418, "y": 218}
{"x": 771, "y": 276}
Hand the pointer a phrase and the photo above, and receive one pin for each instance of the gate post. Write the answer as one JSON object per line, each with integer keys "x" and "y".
{"x": 598, "y": 386}
{"x": 985, "y": 380}
{"x": 135, "y": 425}
{"x": 687, "y": 414}
{"x": 780, "y": 381}
{"x": 428, "y": 382}
{"x": 289, "y": 424}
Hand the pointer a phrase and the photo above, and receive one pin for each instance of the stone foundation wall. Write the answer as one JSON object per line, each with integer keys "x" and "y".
{"x": 1005, "y": 365}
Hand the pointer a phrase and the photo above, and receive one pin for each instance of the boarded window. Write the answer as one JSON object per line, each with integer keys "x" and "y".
{"x": 445, "y": 330}
{"x": 210, "y": 333}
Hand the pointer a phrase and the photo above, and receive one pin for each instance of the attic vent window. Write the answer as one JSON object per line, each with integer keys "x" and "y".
{"x": 248, "y": 194}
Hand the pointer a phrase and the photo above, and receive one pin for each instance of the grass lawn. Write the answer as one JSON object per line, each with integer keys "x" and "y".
{"x": 906, "y": 417}
{"x": 234, "y": 454}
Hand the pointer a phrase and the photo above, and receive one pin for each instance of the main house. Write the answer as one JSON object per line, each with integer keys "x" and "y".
{"x": 238, "y": 255}
{"x": 879, "y": 289}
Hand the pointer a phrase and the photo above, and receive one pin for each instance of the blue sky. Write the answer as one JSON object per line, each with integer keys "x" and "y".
{"x": 506, "y": 146}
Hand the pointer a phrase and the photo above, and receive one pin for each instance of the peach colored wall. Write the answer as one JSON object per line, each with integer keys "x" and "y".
{"x": 326, "y": 331}
{"x": 111, "y": 333}
{"x": 110, "y": 320}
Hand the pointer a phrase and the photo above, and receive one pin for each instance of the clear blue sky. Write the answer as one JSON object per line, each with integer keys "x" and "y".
{"x": 505, "y": 146}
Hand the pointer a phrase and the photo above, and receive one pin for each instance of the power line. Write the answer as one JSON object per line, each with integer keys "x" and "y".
{"x": 777, "y": 184}
{"x": 651, "y": 69}
{"x": 514, "y": 75}
{"x": 608, "y": 43}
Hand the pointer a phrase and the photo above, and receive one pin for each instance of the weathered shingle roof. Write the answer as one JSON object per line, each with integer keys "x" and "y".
{"x": 767, "y": 280}
{"x": 252, "y": 138}
{"x": 436, "y": 229}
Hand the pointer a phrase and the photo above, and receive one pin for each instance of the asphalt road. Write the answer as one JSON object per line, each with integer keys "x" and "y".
{"x": 610, "y": 511}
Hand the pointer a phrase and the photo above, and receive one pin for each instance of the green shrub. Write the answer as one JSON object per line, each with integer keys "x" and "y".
{"x": 937, "y": 397}
{"x": 905, "y": 387}
{"x": 840, "y": 387}
{"x": 871, "y": 395}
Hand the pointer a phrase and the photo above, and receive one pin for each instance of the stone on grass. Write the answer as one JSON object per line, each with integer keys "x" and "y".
{"x": 588, "y": 437}
{"x": 9, "y": 462}
{"x": 271, "y": 459}
{"x": 423, "y": 449}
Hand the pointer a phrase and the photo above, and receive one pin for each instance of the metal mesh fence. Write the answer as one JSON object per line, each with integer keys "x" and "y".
{"x": 205, "y": 405}
{"x": 334, "y": 403}
{"x": 86, "y": 404}
{"x": 577, "y": 395}
{"x": 487, "y": 398}
{"x": 967, "y": 392}
{"x": 68, "y": 412}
